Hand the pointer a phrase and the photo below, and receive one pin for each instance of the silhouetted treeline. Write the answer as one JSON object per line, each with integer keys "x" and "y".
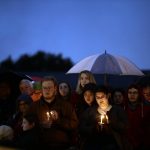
{"x": 40, "y": 61}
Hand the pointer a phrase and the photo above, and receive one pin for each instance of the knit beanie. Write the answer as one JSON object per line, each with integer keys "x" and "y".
{"x": 37, "y": 85}
{"x": 26, "y": 98}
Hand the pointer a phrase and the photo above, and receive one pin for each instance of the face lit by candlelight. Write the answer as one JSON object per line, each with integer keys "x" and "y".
{"x": 49, "y": 90}
{"x": 102, "y": 100}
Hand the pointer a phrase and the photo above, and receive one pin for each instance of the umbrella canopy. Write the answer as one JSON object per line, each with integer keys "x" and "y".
{"x": 12, "y": 76}
{"x": 13, "y": 79}
{"x": 144, "y": 80}
{"x": 106, "y": 64}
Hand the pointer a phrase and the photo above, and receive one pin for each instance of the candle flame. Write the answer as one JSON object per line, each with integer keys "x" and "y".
{"x": 51, "y": 112}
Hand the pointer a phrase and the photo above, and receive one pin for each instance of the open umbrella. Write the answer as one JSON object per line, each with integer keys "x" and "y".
{"x": 106, "y": 64}
{"x": 13, "y": 78}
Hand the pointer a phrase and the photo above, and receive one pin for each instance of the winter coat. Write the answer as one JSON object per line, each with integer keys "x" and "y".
{"x": 135, "y": 131}
{"x": 28, "y": 140}
{"x": 146, "y": 126}
{"x": 58, "y": 134}
{"x": 112, "y": 135}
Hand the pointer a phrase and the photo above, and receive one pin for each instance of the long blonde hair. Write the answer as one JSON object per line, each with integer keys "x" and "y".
{"x": 91, "y": 80}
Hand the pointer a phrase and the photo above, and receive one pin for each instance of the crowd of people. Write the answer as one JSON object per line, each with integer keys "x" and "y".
{"x": 49, "y": 114}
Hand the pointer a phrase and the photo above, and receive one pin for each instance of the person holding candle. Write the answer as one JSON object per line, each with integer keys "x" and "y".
{"x": 104, "y": 125}
{"x": 57, "y": 118}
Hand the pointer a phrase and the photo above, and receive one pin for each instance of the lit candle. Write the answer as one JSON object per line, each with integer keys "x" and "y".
{"x": 48, "y": 115}
{"x": 102, "y": 117}
{"x": 51, "y": 112}
{"x": 107, "y": 119}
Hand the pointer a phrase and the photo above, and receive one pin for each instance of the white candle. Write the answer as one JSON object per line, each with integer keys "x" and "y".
{"x": 48, "y": 115}
{"x": 102, "y": 117}
{"x": 107, "y": 119}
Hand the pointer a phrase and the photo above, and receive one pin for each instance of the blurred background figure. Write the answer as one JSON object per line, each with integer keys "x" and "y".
{"x": 6, "y": 135}
{"x": 37, "y": 91}
{"x": 15, "y": 121}
{"x": 64, "y": 91}
{"x": 146, "y": 93}
{"x": 134, "y": 110}
{"x": 118, "y": 97}
{"x": 26, "y": 86}
{"x": 7, "y": 101}
{"x": 146, "y": 115}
